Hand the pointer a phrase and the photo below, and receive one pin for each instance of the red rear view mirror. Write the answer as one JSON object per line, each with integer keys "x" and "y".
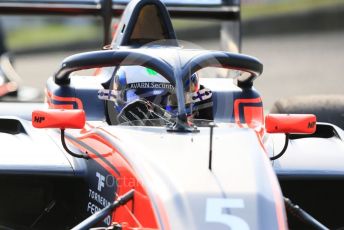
{"x": 59, "y": 118}
{"x": 290, "y": 123}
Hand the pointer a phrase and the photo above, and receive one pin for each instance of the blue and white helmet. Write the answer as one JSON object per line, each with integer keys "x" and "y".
{"x": 137, "y": 82}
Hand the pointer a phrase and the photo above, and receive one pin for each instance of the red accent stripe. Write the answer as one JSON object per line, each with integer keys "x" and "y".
{"x": 279, "y": 206}
{"x": 259, "y": 137}
{"x": 237, "y": 103}
{"x": 159, "y": 203}
{"x": 51, "y": 97}
{"x": 143, "y": 215}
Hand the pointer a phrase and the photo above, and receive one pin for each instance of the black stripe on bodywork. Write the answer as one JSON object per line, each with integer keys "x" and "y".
{"x": 93, "y": 151}
{"x": 243, "y": 105}
{"x": 58, "y": 102}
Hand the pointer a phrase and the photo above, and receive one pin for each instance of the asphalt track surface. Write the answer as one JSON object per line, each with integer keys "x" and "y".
{"x": 295, "y": 64}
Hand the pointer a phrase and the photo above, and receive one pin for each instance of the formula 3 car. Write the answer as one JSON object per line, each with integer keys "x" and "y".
{"x": 203, "y": 156}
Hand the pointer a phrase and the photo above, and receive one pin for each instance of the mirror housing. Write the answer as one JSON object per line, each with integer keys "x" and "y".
{"x": 59, "y": 118}
{"x": 290, "y": 123}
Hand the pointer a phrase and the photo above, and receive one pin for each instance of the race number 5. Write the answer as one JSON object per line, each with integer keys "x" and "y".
{"x": 214, "y": 213}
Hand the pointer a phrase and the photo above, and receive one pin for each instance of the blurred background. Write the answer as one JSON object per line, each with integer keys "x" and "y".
{"x": 300, "y": 43}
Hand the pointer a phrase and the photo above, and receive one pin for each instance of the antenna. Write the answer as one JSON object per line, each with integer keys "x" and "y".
{"x": 211, "y": 125}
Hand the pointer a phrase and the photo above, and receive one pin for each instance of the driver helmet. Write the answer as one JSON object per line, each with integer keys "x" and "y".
{"x": 136, "y": 82}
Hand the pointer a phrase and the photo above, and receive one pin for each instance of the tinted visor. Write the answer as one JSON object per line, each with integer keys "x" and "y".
{"x": 156, "y": 96}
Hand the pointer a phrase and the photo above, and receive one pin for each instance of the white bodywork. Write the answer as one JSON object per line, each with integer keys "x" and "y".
{"x": 175, "y": 169}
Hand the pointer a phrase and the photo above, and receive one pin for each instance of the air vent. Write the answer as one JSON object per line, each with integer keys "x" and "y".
{"x": 322, "y": 131}
{"x": 11, "y": 126}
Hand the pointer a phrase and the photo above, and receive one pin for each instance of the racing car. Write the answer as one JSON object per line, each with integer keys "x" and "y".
{"x": 164, "y": 137}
